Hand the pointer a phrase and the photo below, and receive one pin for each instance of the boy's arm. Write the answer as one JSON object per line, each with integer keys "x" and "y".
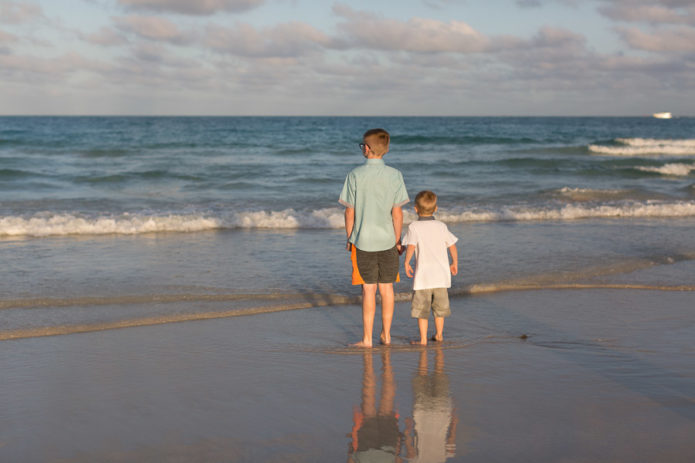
{"x": 409, "y": 255}
{"x": 349, "y": 224}
{"x": 454, "y": 267}
{"x": 397, "y": 216}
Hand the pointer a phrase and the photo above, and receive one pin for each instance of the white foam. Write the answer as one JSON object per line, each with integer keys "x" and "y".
{"x": 575, "y": 212}
{"x": 48, "y": 224}
{"x": 646, "y": 146}
{"x": 674, "y": 170}
{"x": 289, "y": 218}
{"x": 128, "y": 224}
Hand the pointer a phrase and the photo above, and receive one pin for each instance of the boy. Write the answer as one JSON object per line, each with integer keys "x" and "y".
{"x": 373, "y": 195}
{"x": 429, "y": 240}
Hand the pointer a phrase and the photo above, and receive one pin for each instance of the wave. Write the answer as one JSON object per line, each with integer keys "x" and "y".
{"x": 462, "y": 140}
{"x": 308, "y": 302}
{"x": 588, "y": 194}
{"x": 646, "y": 146}
{"x": 650, "y": 209}
{"x": 61, "y": 224}
{"x": 672, "y": 170}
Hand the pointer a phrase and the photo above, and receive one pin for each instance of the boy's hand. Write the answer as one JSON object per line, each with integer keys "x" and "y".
{"x": 454, "y": 268}
{"x": 408, "y": 270}
{"x": 348, "y": 247}
{"x": 400, "y": 248}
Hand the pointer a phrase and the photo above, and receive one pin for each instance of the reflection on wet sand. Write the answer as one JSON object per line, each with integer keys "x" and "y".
{"x": 429, "y": 435}
{"x": 434, "y": 419}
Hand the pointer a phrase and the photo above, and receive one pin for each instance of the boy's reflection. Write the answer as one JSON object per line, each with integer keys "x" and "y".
{"x": 375, "y": 433}
{"x": 429, "y": 435}
{"x": 434, "y": 419}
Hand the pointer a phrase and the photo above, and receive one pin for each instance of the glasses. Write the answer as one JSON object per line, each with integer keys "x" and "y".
{"x": 362, "y": 145}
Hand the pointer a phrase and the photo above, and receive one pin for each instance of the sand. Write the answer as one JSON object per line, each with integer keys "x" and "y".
{"x": 603, "y": 375}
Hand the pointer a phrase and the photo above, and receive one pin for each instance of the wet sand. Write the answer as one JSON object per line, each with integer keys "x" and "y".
{"x": 601, "y": 375}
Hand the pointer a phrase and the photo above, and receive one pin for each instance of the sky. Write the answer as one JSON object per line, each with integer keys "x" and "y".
{"x": 357, "y": 57}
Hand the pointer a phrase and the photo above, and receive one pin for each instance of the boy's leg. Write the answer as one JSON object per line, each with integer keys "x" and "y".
{"x": 439, "y": 329}
{"x": 387, "y": 306}
{"x": 368, "y": 310}
{"x": 441, "y": 309}
{"x": 422, "y": 324}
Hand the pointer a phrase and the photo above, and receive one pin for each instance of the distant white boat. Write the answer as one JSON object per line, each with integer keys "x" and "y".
{"x": 662, "y": 115}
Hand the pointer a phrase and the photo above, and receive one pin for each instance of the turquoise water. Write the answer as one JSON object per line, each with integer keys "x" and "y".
{"x": 150, "y": 216}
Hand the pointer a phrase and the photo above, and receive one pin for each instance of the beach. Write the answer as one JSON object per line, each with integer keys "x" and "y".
{"x": 177, "y": 289}
{"x": 552, "y": 375}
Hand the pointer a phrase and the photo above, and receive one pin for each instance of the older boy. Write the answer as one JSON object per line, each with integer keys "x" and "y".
{"x": 429, "y": 240}
{"x": 373, "y": 195}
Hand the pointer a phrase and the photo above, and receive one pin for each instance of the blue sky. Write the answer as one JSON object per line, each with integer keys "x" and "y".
{"x": 299, "y": 57}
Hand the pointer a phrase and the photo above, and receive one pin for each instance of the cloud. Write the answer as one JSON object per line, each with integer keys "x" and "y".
{"x": 6, "y": 37}
{"x": 192, "y": 7}
{"x": 283, "y": 40}
{"x": 556, "y": 37}
{"x": 19, "y": 12}
{"x": 106, "y": 36}
{"x": 529, "y": 3}
{"x": 421, "y": 35}
{"x": 681, "y": 39}
{"x": 650, "y": 13}
{"x": 152, "y": 28}
{"x": 30, "y": 68}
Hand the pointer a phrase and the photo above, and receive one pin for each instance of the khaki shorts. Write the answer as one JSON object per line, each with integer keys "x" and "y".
{"x": 436, "y": 299}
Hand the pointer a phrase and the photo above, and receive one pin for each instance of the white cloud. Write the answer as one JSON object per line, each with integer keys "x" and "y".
{"x": 30, "y": 68}
{"x": 106, "y": 36}
{"x": 421, "y": 35}
{"x": 192, "y": 7}
{"x": 283, "y": 40}
{"x": 681, "y": 39}
{"x": 152, "y": 28}
{"x": 19, "y": 12}
{"x": 650, "y": 13}
{"x": 6, "y": 37}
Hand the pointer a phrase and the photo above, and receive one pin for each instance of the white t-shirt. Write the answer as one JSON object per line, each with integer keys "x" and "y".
{"x": 431, "y": 239}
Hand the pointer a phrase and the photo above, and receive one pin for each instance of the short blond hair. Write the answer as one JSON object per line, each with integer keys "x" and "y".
{"x": 378, "y": 141}
{"x": 426, "y": 202}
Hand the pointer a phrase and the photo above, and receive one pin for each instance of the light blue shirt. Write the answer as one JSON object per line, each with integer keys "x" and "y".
{"x": 373, "y": 189}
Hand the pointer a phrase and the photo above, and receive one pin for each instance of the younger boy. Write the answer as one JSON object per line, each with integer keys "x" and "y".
{"x": 429, "y": 240}
{"x": 373, "y": 194}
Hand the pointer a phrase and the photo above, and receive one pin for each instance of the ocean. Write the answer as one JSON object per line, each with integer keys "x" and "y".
{"x": 108, "y": 222}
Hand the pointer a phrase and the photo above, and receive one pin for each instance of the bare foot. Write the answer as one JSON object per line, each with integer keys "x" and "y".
{"x": 385, "y": 340}
{"x": 361, "y": 344}
{"x": 437, "y": 339}
{"x": 418, "y": 343}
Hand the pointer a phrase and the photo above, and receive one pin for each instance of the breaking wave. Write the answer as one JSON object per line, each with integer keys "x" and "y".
{"x": 672, "y": 170}
{"x": 55, "y": 224}
{"x": 646, "y": 147}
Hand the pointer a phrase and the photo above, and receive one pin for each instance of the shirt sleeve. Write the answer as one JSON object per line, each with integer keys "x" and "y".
{"x": 410, "y": 237}
{"x": 347, "y": 196}
{"x": 450, "y": 238}
{"x": 401, "y": 196}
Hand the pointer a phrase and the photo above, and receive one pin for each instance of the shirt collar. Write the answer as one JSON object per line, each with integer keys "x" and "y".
{"x": 375, "y": 161}
{"x": 429, "y": 217}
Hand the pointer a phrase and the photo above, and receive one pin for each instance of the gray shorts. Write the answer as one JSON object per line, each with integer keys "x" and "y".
{"x": 378, "y": 266}
{"x": 436, "y": 298}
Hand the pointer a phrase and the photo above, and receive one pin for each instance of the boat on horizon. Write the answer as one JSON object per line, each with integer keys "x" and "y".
{"x": 665, "y": 115}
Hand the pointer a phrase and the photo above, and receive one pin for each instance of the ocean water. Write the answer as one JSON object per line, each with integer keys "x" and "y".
{"x": 119, "y": 221}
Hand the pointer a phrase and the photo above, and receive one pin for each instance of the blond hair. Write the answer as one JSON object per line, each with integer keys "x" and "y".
{"x": 378, "y": 141}
{"x": 426, "y": 202}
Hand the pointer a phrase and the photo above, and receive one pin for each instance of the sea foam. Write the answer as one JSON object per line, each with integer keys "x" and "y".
{"x": 646, "y": 147}
{"x": 46, "y": 224}
{"x": 672, "y": 170}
